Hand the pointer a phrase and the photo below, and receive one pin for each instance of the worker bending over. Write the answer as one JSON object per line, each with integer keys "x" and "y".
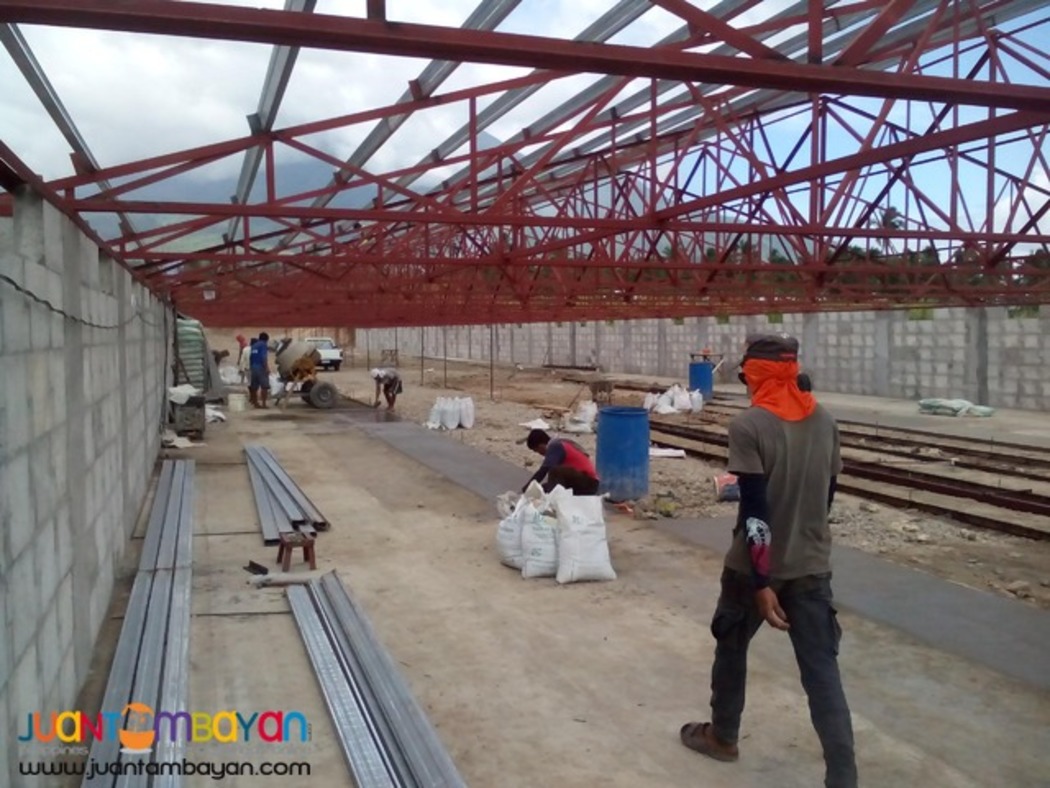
{"x": 389, "y": 380}
{"x": 565, "y": 463}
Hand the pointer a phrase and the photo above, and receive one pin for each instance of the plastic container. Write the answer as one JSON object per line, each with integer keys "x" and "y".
{"x": 623, "y": 452}
{"x": 237, "y": 403}
{"x": 702, "y": 378}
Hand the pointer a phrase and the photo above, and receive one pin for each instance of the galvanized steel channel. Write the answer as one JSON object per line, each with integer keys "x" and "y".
{"x": 385, "y": 733}
{"x": 151, "y": 662}
{"x": 282, "y": 506}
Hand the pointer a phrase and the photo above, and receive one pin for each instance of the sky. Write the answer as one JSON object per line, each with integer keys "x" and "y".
{"x": 134, "y": 96}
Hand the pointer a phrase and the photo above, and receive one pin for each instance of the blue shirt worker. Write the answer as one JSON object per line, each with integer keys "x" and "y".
{"x": 259, "y": 381}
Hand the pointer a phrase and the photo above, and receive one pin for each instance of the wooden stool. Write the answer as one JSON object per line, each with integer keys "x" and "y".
{"x": 288, "y": 543}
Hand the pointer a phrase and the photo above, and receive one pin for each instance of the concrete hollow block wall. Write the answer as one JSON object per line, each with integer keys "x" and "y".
{"x": 81, "y": 403}
{"x": 990, "y": 356}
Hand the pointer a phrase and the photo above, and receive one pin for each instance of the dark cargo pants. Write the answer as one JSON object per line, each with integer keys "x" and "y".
{"x": 815, "y": 634}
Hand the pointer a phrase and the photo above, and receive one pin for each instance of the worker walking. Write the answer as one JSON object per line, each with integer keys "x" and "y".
{"x": 389, "y": 380}
{"x": 259, "y": 362}
{"x": 784, "y": 450}
{"x": 565, "y": 463}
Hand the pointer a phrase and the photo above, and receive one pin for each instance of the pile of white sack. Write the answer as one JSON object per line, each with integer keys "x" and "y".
{"x": 675, "y": 400}
{"x": 450, "y": 413}
{"x": 557, "y": 535}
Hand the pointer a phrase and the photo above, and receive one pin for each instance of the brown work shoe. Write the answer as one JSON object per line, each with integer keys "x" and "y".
{"x": 701, "y": 737}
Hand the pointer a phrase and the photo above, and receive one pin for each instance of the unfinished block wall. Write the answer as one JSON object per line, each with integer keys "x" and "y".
{"x": 986, "y": 355}
{"x": 81, "y": 399}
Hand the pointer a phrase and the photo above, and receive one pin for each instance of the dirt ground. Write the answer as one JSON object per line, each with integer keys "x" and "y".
{"x": 1010, "y": 566}
{"x": 530, "y": 683}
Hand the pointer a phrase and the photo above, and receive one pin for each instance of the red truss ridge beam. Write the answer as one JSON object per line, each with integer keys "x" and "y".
{"x": 212, "y": 21}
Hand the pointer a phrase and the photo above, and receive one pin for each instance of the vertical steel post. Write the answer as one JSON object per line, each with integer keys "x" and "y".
{"x": 492, "y": 362}
{"x": 422, "y": 337}
{"x": 445, "y": 332}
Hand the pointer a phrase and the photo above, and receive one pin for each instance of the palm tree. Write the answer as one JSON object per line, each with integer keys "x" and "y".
{"x": 889, "y": 219}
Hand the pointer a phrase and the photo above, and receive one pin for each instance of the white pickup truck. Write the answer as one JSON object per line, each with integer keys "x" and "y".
{"x": 331, "y": 354}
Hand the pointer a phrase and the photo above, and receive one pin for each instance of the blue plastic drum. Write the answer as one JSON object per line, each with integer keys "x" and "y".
{"x": 623, "y": 452}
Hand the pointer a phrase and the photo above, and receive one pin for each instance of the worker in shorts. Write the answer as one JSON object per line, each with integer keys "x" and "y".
{"x": 389, "y": 380}
{"x": 784, "y": 451}
{"x": 259, "y": 363}
{"x": 565, "y": 463}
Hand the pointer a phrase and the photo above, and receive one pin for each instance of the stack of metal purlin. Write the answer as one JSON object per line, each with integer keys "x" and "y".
{"x": 282, "y": 506}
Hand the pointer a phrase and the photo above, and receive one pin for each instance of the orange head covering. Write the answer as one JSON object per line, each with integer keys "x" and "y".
{"x": 770, "y": 368}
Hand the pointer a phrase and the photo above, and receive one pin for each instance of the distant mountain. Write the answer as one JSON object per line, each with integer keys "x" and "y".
{"x": 292, "y": 177}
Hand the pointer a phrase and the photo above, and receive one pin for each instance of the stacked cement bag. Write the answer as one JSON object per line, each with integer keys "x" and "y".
{"x": 450, "y": 413}
{"x": 675, "y": 400}
{"x": 559, "y": 535}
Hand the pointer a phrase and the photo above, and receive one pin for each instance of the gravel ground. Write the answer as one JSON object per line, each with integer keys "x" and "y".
{"x": 1011, "y": 566}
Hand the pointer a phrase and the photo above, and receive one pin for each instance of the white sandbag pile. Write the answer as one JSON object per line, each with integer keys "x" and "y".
{"x": 451, "y": 413}
{"x": 559, "y": 535}
{"x": 675, "y": 400}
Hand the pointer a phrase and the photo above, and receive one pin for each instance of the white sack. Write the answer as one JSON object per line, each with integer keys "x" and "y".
{"x": 508, "y": 535}
{"x": 582, "y": 420}
{"x": 539, "y": 533}
{"x": 583, "y": 552}
{"x": 506, "y": 503}
{"x": 536, "y": 424}
{"x": 681, "y": 399}
{"x": 231, "y": 376}
{"x": 449, "y": 413}
{"x": 650, "y": 401}
{"x": 433, "y": 421}
{"x": 696, "y": 400}
{"x": 466, "y": 413}
{"x": 180, "y": 395}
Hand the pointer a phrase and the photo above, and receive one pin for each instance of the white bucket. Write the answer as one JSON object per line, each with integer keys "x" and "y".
{"x": 238, "y": 402}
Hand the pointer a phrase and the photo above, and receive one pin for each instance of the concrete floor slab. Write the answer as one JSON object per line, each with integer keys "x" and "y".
{"x": 1002, "y": 634}
{"x": 530, "y": 683}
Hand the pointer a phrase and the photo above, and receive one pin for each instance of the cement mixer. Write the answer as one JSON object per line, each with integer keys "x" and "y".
{"x": 297, "y": 363}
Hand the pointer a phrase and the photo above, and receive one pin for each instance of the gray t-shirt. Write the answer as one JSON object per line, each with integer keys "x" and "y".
{"x": 798, "y": 459}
